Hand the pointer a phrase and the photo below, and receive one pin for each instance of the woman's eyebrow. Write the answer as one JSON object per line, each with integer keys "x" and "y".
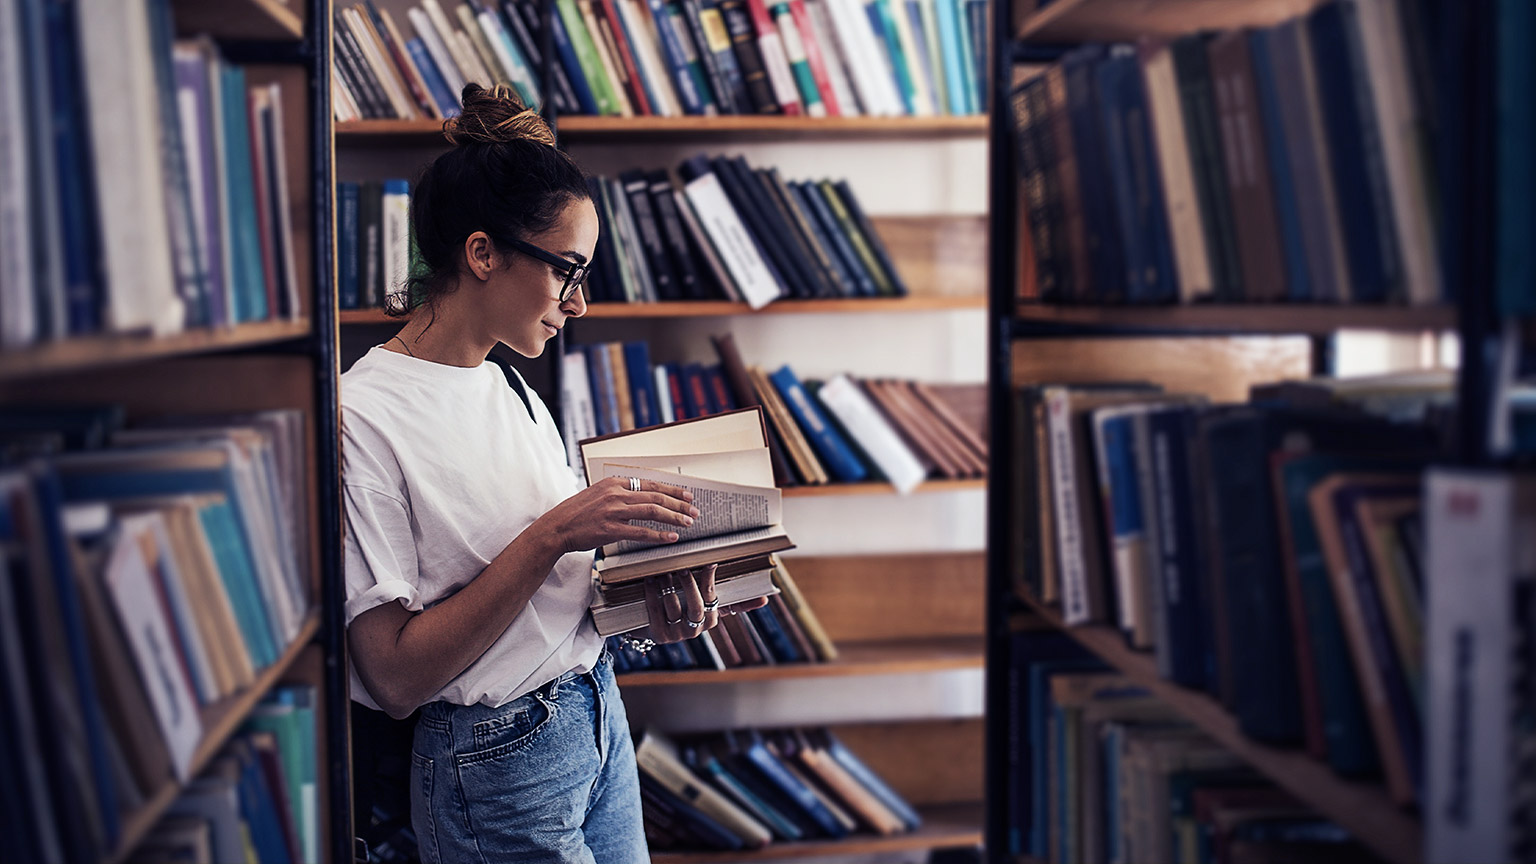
{"x": 572, "y": 253}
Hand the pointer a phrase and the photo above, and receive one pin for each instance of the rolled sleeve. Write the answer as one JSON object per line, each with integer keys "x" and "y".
{"x": 380, "y": 554}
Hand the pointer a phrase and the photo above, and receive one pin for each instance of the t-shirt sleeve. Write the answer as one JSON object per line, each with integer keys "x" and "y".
{"x": 380, "y": 552}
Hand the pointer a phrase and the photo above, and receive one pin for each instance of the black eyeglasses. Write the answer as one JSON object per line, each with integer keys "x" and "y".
{"x": 575, "y": 274}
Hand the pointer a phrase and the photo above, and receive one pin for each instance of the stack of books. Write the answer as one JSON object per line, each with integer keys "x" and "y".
{"x": 785, "y": 631}
{"x": 1269, "y": 553}
{"x": 745, "y": 789}
{"x": 148, "y": 582}
{"x": 1104, "y": 771}
{"x": 145, "y": 185}
{"x": 734, "y": 232}
{"x": 843, "y": 430}
{"x": 1288, "y": 163}
{"x": 669, "y": 58}
{"x": 258, "y": 800}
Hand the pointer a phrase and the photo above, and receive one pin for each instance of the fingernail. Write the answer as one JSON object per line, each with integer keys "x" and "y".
{"x": 694, "y": 512}
{"x": 671, "y": 536}
{"x": 687, "y": 520}
{"x": 687, "y": 496}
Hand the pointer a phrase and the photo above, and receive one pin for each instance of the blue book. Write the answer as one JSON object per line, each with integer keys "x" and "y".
{"x": 249, "y": 270}
{"x": 259, "y": 808}
{"x": 347, "y": 292}
{"x": 809, "y": 196}
{"x": 768, "y": 766}
{"x": 1138, "y": 194}
{"x": 189, "y": 263}
{"x": 774, "y": 635}
{"x": 1354, "y": 146}
{"x": 82, "y": 281}
{"x": 977, "y": 19}
{"x": 1267, "y": 84}
{"x": 694, "y": 820}
{"x": 866, "y": 777}
{"x": 192, "y": 78}
{"x": 605, "y": 401}
{"x": 884, "y": 24}
{"x": 232, "y": 554}
{"x": 642, "y": 384}
{"x": 727, "y": 67}
{"x": 681, "y": 58}
{"x": 442, "y": 95}
{"x": 572, "y": 66}
{"x": 676, "y": 654}
{"x": 923, "y": 60}
{"x": 744, "y": 794}
{"x": 1039, "y": 680}
{"x": 1181, "y": 567}
{"x": 1099, "y": 223}
{"x": 834, "y": 452}
{"x": 947, "y": 15}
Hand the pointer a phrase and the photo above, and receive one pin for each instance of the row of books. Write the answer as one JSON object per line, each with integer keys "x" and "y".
{"x": 259, "y": 798}
{"x": 144, "y": 582}
{"x": 1100, "y": 770}
{"x": 1286, "y": 163}
{"x": 1269, "y": 553}
{"x": 785, "y": 631}
{"x": 734, "y": 232}
{"x": 145, "y": 185}
{"x": 745, "y": 789}
{"x": 669, "y": 58}
{"x": 844, "y": 430}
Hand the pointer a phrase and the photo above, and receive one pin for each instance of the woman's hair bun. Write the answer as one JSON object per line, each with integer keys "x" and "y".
{"x": 495, "y": 116}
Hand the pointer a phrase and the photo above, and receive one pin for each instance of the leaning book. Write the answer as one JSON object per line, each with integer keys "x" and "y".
{"x": 723, "y": 460}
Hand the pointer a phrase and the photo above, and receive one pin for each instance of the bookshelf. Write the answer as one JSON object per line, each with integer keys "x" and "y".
{"x": 725, "y": 308}
{"x": 580, "y": 129}
{"x": 1218, "y": 349}
{"x": 889, "y": 657}
{"x": 943, "y": 827}
{"x": 283, "y": 363}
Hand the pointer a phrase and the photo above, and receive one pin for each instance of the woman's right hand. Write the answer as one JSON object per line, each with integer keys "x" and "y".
{"x": 604, "y": 512}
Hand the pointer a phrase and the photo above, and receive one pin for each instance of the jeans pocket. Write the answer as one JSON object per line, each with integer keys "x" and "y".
{"x": 513, "y": 729}
{"x": 423, "y": 821}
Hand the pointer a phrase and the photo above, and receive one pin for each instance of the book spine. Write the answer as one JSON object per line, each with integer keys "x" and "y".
{"x": 775, "y": 59}
{"x": 589, "y": 65}
{"x": 1253, "y": 205}
{"x": 873, "y": 432}
{"x": 682, "y": 59}
{"x": 830, "y": 446}
{"x": 749, "y": 57}
{"x": 1266, "y": 87}
{"x": 1192, "y": 69}
{"x": 625, "y": 57}
{"x": 714, "y": 45}
{"x": 883, "y": 22}
{"x": 447, "y": 66}
{"x": 346, "y": 252}
{"x": 822, "y": 32}
{"x": 673, "y": 235}
{"x": 798, "y": 60}
{"x": 637, "y": 189}
{"x": 736, "y": 248}
{"x": 570, "y": 63}
{"x": 442, "y": 97}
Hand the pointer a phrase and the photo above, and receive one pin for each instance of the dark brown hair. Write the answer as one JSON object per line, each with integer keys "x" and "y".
{"x": 504, "y": 176}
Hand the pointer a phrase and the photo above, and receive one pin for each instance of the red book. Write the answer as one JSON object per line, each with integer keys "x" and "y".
{"x": 775, "y": 60}
{"x": 675, "y": 388}
{"x": 813, "y": 56}
{"x": 615, "y": 25}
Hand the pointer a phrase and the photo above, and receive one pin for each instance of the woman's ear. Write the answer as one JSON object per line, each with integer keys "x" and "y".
{"x": 480, "y": 255}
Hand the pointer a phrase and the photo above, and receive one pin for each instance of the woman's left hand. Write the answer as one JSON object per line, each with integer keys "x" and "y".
{"x": 680, "y": 603}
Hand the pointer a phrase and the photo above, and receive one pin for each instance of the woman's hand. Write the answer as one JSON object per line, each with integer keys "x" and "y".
{"x": 603, "y": 512}
{"x": 680, "y": 605}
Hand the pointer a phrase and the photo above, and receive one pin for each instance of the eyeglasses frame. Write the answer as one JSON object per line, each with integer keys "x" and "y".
{"x": 575, "y": 273}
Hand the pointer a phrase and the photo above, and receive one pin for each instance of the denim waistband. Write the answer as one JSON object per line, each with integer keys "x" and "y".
{"x": 439, "y": 711}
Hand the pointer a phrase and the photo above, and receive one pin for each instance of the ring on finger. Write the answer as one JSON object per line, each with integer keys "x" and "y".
{"x": 694, "y": 625}
{"x": 673, "y": 623}
{"x": 669, "y": 591}
{"x": 634, "y": 484}
{"x": 712, "y": 605}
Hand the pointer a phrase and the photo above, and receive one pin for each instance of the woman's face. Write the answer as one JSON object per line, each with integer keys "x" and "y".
{"x": 525, "y": 296}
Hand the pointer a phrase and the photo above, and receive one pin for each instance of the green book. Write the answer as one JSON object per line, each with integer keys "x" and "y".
{"x": 586, "y": 55}
{"x": 856, "y": 238}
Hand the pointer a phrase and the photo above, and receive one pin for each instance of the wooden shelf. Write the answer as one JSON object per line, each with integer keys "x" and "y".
{"x": 1067, "y": 21}
{"x": 722, "y": 308}
{"x": 245, "y": 20}
{"x": 219, "y": 722}
{"x": 1239, "y": 318}
{"x": 944, "y": 826}
{"x": 893, "y": 657}
{"x": 833, "y": 489}
{"x": 622, "y": 130}
{"x": 1362, "y": 808}
{"x": 91, "y": 352}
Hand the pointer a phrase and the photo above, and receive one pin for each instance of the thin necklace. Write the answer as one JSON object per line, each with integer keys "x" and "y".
{"x": 407, "y": 348}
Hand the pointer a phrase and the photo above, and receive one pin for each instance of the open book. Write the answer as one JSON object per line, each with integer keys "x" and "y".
{"x": 723, "y": 460}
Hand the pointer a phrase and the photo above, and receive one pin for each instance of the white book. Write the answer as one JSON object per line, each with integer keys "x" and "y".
{"x": 794, "y": 52}
{"x": 122, "y": 98}
{"x": 1406, "y": 168}
{"x": 383, "y": 68}
{"x": 776, "y": 64}
{"x": 160, "y": 554}
{"x": 706, "y": 246}
{"x": 833, "y": 57}
{"x": 479, "y": 41}
{"x": 1478, "y": 532}
{"x": 871, "y": 71}
{"x": 452, "y": 39}
{"x": 873, "y": 432}
{"x": 1075, "y": 608}
{"x": 18, "y": 314}
{"x": 638, "y": 22}
{"x": 731, "y": 241}
{"x": 396, "y": 223}
{"x": 577, "y": 413}
{"x": 436, "y": 47}
{"x": 343, "y": 105}
{"x": 663, "y": 394}
{"x": 923, "y": 102}
{"x": 131, "y": 586}
{"x": 426, "y": 105}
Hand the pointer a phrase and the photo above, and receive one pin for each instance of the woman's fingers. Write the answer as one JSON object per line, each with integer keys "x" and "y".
{"x": 693, "y": 600}
{"x": 653, "y": 608}
{"x": 706, "y": 580}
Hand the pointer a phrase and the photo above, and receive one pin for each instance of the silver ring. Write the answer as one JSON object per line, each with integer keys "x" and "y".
{"x": 712, "y": 605}
{"x": 634, "y": 484}
{"x": 669, "y": 590}
{"x": 672, "y": 623}
{"x": 694, "y": 625}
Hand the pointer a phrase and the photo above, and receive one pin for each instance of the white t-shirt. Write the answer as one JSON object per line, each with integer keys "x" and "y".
{"x": 441, "y": 468}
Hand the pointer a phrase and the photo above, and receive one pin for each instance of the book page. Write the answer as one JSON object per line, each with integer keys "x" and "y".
{"x": 734, "y": 430}
{"x": 724, "y": 508}
{"x": 698, "y": 544}
{"x": 751, "y": 467}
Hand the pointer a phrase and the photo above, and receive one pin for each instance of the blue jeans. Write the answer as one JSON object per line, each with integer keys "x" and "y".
{"x": 549, "y": 776}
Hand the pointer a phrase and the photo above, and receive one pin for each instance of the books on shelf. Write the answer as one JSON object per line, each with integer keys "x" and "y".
{"x": 841, "y": 430}
{"x": 1236, "y": 167}
{"x": 144, "y": 583}
{"x": 1107, "y": 772}
{"x": 785, "y": 631}
{"x": 1267, "y": 553}
{"x": 373, "y": 242}
{"x": 169, "y": 210}
{"x": 667, "y": 58}
{"x": 750, "y": 788}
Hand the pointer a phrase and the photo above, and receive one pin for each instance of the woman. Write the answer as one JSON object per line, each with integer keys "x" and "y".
{"x": 468, "y": 549}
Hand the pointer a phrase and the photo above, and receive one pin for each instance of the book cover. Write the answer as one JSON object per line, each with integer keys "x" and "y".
{"x": 1192, "y": 69}
{"x": 682, "y": 58}
{"x": 657, "y": 757}
{"x": 742, "y": 191}
{"x": 749, "y": 56}
{"x": 1135, "y": 183}
{"x": 752, "y": 275}
{"x": 637, "y": 187}
{"x": 796, "y": 243}
{"x": 830, "y": 446}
